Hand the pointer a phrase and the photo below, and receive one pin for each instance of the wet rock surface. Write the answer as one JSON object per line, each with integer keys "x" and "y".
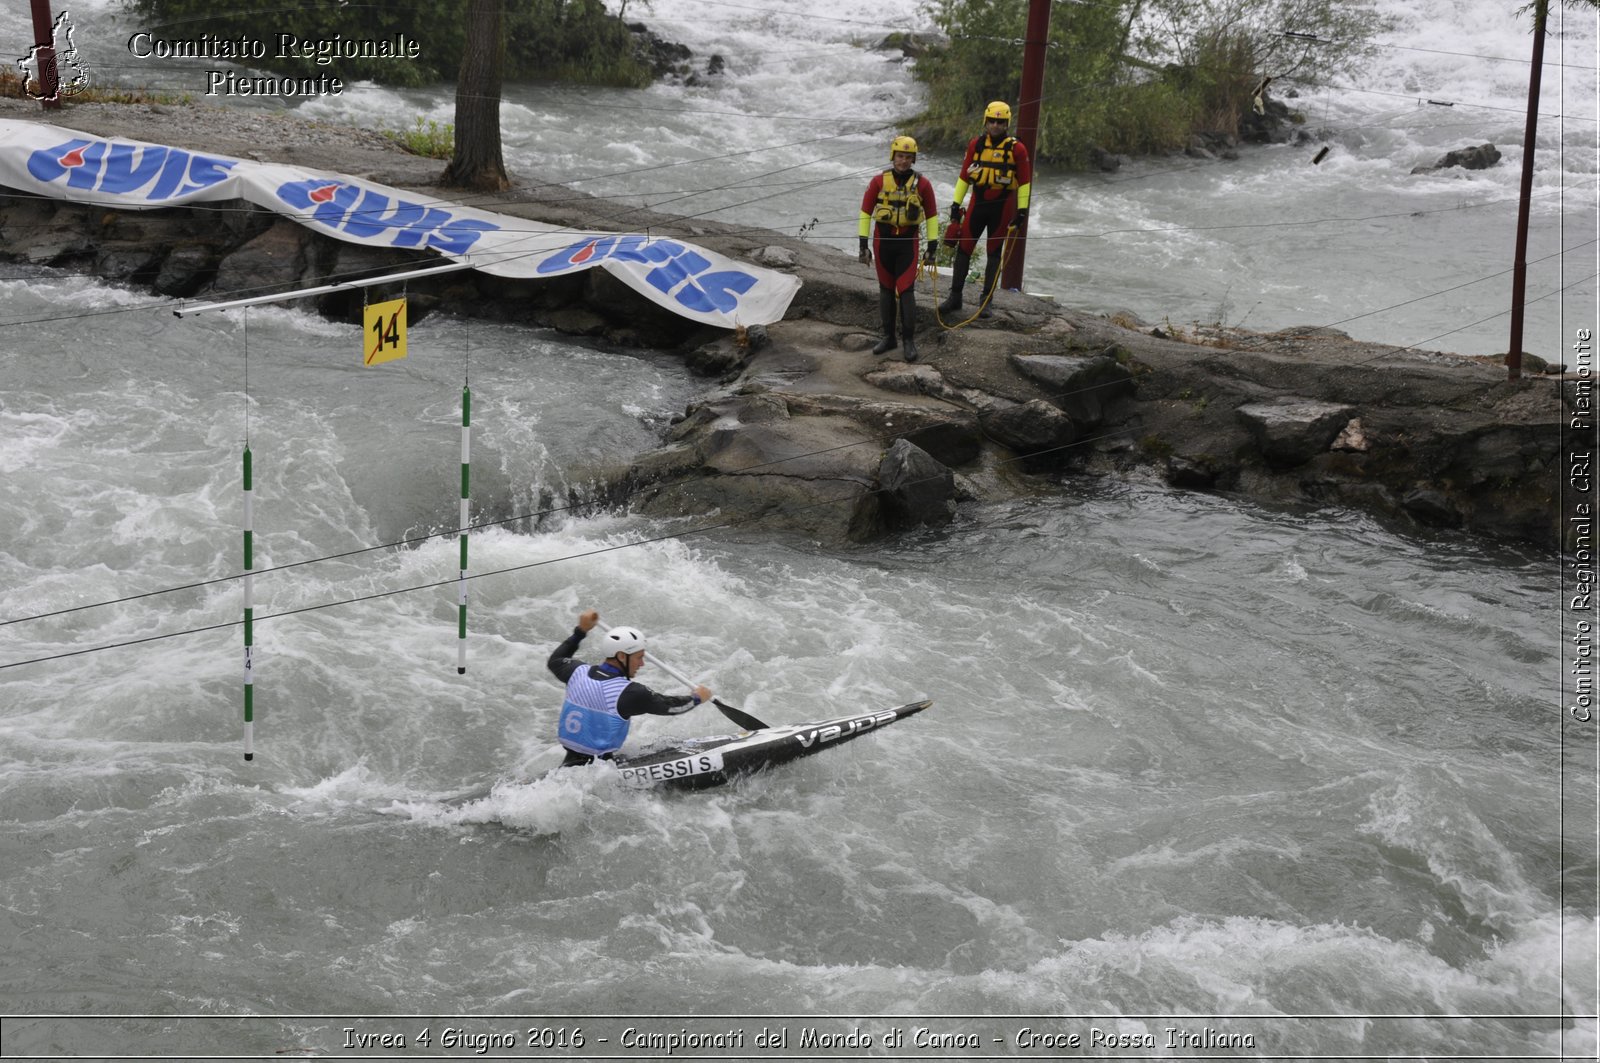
{"x": 801, "y": 429}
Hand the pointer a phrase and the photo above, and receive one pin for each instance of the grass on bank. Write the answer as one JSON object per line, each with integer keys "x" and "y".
{"x": 428, "y": 138}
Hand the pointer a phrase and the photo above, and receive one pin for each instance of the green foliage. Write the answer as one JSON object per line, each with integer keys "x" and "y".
{"x": 946, "y": 257}
{"x": 1225, "y": 47}
{"x": 1155, "y": 447}
{"x": 984, "y": 62}
{"x": 1133, "y": 76}
{"x": 431, "y": 139}
{"x": 569, "y": 40}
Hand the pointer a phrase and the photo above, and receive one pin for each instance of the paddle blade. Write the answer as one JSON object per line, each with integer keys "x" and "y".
{"x": 738, "y": 716}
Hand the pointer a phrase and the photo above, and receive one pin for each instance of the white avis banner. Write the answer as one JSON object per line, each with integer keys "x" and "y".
{"x": 113, "y": 172}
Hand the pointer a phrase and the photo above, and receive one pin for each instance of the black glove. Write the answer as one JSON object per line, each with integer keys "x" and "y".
{"x": 930, "y": 254}
{"x": 1022, "y": 216}
{"x": 865, "y": 254}
{"x": 955, "y": 213}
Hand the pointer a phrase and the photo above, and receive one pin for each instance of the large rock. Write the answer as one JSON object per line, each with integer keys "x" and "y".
{"x": 953, "y": 441}
{"x": 774, "y": 257}
{"x": 1506, "y": 454}
{"x": 1081, "y": 385}
{"x": 1105, "y": 161}
{"x": 1275, "y": 123}
{"x": 331, "y": 261}
{"x": 951, "y": 436}
{"x": 276, "y": 258}
{"x": 762, "y": 440}
{"x": 185, "y": 271}
{"x": 744, "y": 460}
{"x": 716, "y": 358}
{"x": 57, "y": 244}
{"x": 909, "y": 44}
{"x": 22, "y": 219}
{"x": 125, "y": 262}
{"x": 1034, "y": 429}
{"x": 1293, "y": 432}
{"x": 577, "y": 321}
{"x": 915, "y": 489}
{"x": 1479, "y": 157}
{"x": 1430, "y": 506}
{"x": 233, "y": 222}
{"x": 1192, "y": 473}
{"x": 664, "y": 58}
{"x": 129, "y": 247}
{"x": 605, "y": 295}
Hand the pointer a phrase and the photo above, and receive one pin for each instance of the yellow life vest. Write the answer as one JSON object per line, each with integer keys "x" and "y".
{"x": 995, "y": 165}
{"x": 899, "y": 204}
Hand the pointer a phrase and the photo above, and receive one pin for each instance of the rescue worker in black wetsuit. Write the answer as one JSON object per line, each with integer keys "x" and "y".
{"x": 602, "y": 699}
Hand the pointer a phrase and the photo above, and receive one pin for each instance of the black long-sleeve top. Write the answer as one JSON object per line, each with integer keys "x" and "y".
{"x": 636, "y": 698}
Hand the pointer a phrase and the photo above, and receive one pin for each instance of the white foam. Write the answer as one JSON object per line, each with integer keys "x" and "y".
{"x": 1461, "y": 852}
{"x": 557, "y": 801}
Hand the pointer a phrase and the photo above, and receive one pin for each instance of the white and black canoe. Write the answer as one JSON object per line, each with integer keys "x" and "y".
{"x": 698, "y": 763}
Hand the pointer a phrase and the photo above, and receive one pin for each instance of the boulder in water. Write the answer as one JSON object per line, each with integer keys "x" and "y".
{"x": 1480, "y": 157}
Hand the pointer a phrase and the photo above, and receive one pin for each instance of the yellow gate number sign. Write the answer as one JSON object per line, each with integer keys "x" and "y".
{"x": 384, "y": 332}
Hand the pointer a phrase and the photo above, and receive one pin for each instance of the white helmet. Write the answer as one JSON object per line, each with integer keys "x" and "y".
{"x": 622, "y": 640}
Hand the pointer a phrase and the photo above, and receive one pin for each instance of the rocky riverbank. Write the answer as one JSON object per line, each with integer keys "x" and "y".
{"x": 802, "y": 428}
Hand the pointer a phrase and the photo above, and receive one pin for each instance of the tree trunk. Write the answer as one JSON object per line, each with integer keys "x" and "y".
{"x": 477, "y": 163}
{"x": 1127, "y": 27}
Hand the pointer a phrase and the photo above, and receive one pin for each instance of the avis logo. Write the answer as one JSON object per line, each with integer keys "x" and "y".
{"x": 66, "y": 57}
{"x": 369, "y": 215}
{"x": 148, "y": 171}
{"x": 679, "y": 271}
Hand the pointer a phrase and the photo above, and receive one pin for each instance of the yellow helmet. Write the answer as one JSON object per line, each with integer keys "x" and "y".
{"x": 997, "y": 109}
{"x": 905, "y": 144}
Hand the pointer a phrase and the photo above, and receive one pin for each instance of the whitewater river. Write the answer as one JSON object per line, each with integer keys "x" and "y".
{"x": 1201, "y": 779}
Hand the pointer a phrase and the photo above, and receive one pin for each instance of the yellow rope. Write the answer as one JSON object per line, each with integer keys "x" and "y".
{"x": 1005, "y": 253}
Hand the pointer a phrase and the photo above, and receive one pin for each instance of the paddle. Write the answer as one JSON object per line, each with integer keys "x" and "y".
{"x": 738, "y": 716}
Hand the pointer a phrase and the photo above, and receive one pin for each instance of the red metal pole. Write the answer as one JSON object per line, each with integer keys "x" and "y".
{"x": 1033, "y": 51}
{"x": 45, "y": 55}
{"x": 1519, "y": 270}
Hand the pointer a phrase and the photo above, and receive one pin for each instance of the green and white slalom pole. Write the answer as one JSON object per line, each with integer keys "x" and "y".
{"x": 461, "y": 583}
{"x": 249, "y": 612}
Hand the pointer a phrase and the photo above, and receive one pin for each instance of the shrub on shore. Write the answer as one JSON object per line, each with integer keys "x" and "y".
{"x": 1136, "y": 76}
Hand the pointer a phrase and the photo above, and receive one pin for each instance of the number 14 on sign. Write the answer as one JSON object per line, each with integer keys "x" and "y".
{"x": 384, "y": 332}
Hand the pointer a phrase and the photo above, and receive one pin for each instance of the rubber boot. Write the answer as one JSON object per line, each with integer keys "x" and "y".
{"x": 886, "y": 314}
{"x": 991, "y": 272}
{"x": 908, "y": 325}
{"x": 958, "y": 281}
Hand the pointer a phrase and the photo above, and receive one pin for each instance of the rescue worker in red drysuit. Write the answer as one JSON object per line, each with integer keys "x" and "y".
{"x": 898, "y": 205}
{"x": 997, "y": 170}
